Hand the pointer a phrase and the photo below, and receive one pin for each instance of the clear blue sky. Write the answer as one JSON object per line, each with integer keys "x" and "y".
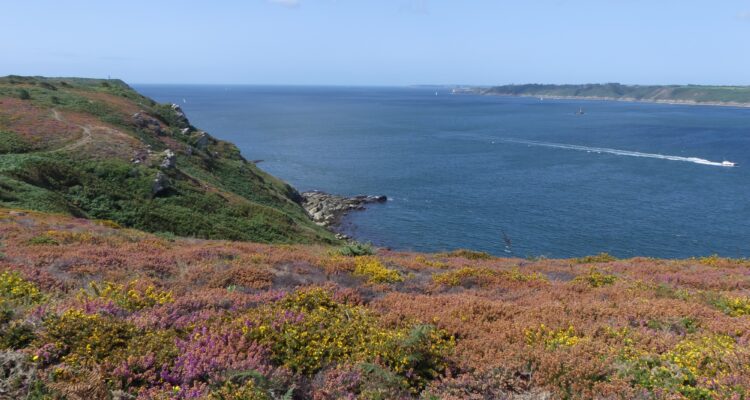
{"x": 380, "y": 42}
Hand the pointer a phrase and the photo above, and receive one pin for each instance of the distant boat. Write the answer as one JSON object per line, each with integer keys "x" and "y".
{"x": 580, "y": 111}
{"x": 435, "y": 93}
{"x": 728, "y": 164}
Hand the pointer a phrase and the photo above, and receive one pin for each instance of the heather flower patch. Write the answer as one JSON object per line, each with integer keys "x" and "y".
{"x": 196, "y": 319}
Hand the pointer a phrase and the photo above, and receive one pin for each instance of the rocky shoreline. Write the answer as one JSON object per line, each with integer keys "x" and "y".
{"x": 327, "y": 209}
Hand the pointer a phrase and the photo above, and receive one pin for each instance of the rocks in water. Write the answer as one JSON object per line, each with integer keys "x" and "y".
{"x": 327, "y": 209}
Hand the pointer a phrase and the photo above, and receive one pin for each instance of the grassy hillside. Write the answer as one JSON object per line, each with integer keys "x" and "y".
{"x": 90, "y": 311}
{"x": 98, "y": 149}
{"x": 675, "y": 93}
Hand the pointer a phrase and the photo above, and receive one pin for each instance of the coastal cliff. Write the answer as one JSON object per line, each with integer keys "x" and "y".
{"x": 97, "y": 149}
{"x": 732, "y": 96}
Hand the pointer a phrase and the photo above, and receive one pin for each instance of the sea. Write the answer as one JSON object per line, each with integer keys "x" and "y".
{"x": 512, "y": 176}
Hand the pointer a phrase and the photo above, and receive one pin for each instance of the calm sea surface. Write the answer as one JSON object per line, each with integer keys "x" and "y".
{"x": 511, "y": 176}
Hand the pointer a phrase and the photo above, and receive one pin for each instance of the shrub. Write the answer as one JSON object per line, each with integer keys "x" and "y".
{"x": 308, "y": 330}
{"x": 599, "y": 258}
{"x": 83, "y": 339}
{"x": 732, "y": 306}
{"x": 42, "y": 240}
{"x": 684, "y": 369}
{"x": 16, "y": 290}
{"x": 132, "y": 296}
{"x": 12, "y": 143}
{"x": 233, "y": 391}
{"x": 596, "y": 279}
{"x": 468, "y": 254}
{"x": 23, "y": 94}
{"x": 371, "y": 268}
{"x": 16, "y": 335}
{"x": 356, "y": 249}
{"x": 551, "y": 338}
{"x": 464, "y": 275}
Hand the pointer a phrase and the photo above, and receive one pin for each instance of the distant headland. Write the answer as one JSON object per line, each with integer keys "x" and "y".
{"x": 731, "y": 96}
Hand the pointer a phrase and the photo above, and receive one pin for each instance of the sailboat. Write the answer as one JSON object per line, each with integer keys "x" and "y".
{"x": 580, "y": 111}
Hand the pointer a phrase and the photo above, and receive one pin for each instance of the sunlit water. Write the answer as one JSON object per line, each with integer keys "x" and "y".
{"x": 512, "y": 176}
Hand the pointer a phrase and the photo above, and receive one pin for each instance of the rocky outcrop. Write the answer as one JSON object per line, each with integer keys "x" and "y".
{"x": 168, "y": 161}
{"x": 161, "y": 183}
{"x": 327, "y": 209}
{"x": 148, "y": 123}
{"x": 181, "y": 119}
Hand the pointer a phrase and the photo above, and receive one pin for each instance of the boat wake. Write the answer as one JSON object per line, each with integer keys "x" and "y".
{"x": 588, "y": 149}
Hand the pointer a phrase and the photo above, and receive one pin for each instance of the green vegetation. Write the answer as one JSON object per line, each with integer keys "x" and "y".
{"x": 12, "y": 143}
{"x": 678, "y": 93}
{"x": 208, "y": 191}
{"x": 356, "y": 249}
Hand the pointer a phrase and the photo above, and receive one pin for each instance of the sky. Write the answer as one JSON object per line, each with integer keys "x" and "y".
{"x": 380, "y": 42}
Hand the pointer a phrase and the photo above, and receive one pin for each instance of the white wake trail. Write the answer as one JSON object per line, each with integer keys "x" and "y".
{"x": 695, "y": 160}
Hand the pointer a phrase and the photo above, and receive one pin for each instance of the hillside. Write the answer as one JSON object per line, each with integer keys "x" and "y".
{"x": 91, "y": 311}
{"x": 97, "y": 149}
{"x": 687, "y": 94}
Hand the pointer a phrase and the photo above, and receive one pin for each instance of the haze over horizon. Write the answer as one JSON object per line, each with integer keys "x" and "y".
{"x": 399, "y": 42}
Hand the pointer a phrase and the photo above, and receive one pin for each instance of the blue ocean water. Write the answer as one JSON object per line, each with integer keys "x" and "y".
{"x": 488, "y": 173}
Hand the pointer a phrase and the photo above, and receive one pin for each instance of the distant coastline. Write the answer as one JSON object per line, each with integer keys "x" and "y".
{"x": 723, "y": 96}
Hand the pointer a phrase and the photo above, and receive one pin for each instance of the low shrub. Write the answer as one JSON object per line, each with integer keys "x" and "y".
{"x": 308, "y": 330}
{"x": 596, "y": 279}
{"x": 356, "y": 249}
{"x": 371, "y": 268}
{"x": 16, "y": 290}
{"x": 464, "y": 276}
{"x": 468, "y": 254}
{"x": 133, "y": 296}
{"x": 732, "y": 306}
{"x": 551, "y": 338}
{"x": 599, "y": 258}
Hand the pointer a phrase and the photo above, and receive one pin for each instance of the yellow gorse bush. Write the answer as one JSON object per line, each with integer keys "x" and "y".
{"x": 371, "y": 268}
{"x": 736, "y": 306}
{"x": 456, "y": 277}
{"x": 705, "y": 356}
{"x": 131, "y": 296}
{"x": 14, "y": 289}
{"x": 596, "y": 278}
{"x": 551, "y": 338}
{"x": 308, "y": 330}
{"x": 83, "y": 338}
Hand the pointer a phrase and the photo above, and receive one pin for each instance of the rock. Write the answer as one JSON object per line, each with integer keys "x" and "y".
{"x": 161, "y": 183}
{"x": 327, "y": 209}
{"x": 16, "y": 373}
{"x": 182, "y": 120}
{"x": 148, "y": 123}
{"x": 17, "y": 213}
{"x": 202, "y": 141}
{"x": 169, "y": 159}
